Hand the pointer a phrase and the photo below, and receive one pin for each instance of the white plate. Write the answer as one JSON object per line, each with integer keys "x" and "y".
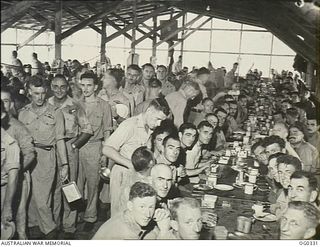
{"x": 266, "y": 217}
{"x": 202, "y": 187}
{"x": 223, "y": 187}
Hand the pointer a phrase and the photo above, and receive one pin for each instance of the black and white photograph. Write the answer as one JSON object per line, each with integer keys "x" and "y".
{"x": 160, "y": 120}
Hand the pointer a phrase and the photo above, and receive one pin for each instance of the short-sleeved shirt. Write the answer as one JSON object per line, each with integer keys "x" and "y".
{"x": 122, "y": 226}
{"x": 24, "y": 139}
{"x": 10, "y": 155}
{"x": 100, "y": 118}
{"x": 130, "y": 135}
{"x": 309, "y": 156}
{"x": 177, "y": 102}
{"x": 46, "y": 126}
{"x": 193, "y": 156}
{"x": 314, "y": 140}
{"x": 75, "y": 118}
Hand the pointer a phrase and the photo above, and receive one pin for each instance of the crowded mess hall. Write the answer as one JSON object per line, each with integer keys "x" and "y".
{"x": 160, "y": 120}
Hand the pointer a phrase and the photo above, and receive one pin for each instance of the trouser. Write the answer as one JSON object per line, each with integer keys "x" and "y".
{"x": 22, "y": 200}
{"x": 89, "y": 173}
{"x": 118, "y": 179}
{"x": 69, "y": 216}
{"x": 40, "y": 212}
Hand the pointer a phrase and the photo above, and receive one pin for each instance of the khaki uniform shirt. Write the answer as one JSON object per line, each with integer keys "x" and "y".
{"x": 10, "y": 155}
{"x": 75, "y": 118}
{"x": 177, "y": 102}
{"x": 46, "y": 126}
{"x": 137, "y": 91}
{"x": 309, "y": 156}
{"x": 130, "y": 135}
{"x": 24, "y": 139}
{"x": 123, "y": 226}
{"x": 100, "y": 118}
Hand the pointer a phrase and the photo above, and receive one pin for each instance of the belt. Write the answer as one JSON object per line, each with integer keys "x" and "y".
{"x": 43, "y": 146}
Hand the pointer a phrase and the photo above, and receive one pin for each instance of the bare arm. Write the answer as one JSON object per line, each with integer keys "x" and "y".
{"x": 113, "y": 154}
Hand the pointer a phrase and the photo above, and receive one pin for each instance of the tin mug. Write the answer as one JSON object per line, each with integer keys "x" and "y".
{"x": 248, "y": 188}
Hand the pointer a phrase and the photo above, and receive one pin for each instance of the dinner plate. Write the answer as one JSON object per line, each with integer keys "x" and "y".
{"x": 266, "y": 217}
{"x": 223, "y": 187}
{"x": 202, "y": 187}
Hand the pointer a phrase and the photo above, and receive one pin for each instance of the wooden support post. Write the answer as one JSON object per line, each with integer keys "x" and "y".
{"x": 154, "y": 37}
{"x": 183, "y": 32}
{"x": 57, "y": 30}
{"x": 103, "y": 43}
{"x": 133, "y": 47}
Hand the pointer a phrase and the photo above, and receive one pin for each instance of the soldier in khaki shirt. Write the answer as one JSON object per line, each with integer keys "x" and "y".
{"x": 76, "y": 122}
{"x": 99, "y": 114}
{"x": 46, "y": 125}
{"x": 25, "y": 141}
{"x": 132, "y": 133}
{"x": 9, "y": 170}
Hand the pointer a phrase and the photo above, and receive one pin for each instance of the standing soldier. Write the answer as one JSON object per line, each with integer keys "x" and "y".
{"x": 76, "y": 122}
{"x": 9, "y": 171}
{"x": 46, "y": 125}
{"x": 24, "y": 139}
{"x": 99, "y": 114}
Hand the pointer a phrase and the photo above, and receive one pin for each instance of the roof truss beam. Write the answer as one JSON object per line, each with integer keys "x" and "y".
{"x": 133, "y": 25}
{"x": 16, "y": 10}
{"x": 79, "y": 17}
{"x": 104, "y": 12}
{"x": 33, "y": 36}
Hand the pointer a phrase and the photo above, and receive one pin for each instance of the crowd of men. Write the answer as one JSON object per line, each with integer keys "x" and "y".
{"x": 156, "y": 132}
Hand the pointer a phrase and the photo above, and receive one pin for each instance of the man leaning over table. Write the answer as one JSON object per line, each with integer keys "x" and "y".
{"x": 131, "y": 134}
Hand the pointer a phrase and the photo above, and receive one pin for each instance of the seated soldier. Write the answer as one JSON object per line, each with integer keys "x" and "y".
{"x": 157, "y": 137}
{"x": 281, "y": 130}
{"x": 303, "y": 187}
{"x": 134, "y": 222}
{"x": 170, "y": 152}
{"x": 186, "y": 219}
{"x": 313, "y": 127}
{"x": 142, "y": 161}
{"x": 207, "y": 107}
{"x": 299, "y": 221}
{"x": 194, "y": 163}
{"x": 162, "y": 177}
{"x": 218, "y": 141}
{"x": 287, "y": 165}
{"x": 309, "y": 155}
{"x": 273, "y": 178}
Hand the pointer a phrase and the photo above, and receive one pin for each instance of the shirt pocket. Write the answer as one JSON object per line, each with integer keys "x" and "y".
{"x": 70, "y": 123}
{"x": 96, "y": 121}
{"x": 47, "y": 128}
